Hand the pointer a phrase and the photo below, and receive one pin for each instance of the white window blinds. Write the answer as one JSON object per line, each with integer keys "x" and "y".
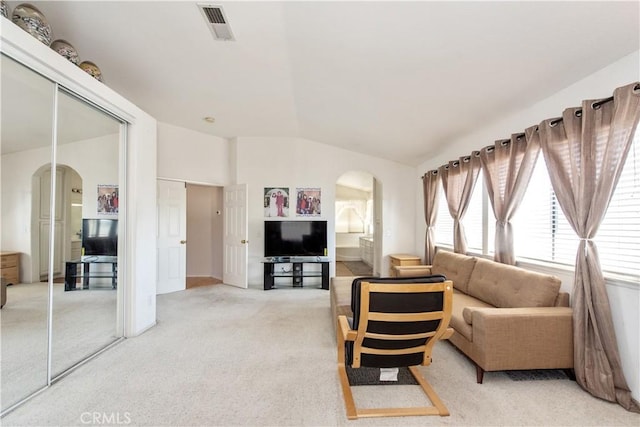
{"x": 444, "y": 222}
{"x": 618, "y": 237}
{"x": 473, "y": 217}
{"x": 543, "y": 233}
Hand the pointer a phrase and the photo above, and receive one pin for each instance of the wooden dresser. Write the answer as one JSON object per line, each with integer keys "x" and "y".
{"x": 11, "y": 267}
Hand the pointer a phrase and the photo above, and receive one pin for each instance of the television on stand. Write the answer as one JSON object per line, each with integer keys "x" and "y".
{"x": 295, "y": 238}
{"x": 100, "y": 237}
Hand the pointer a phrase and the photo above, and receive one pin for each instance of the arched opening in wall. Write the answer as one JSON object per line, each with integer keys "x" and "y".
{"x": 67, "y": 219}
{"x": 357, "y": 224}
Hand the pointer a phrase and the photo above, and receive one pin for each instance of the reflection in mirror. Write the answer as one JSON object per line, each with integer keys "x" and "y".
{"x": 26, "y": 135}
{"x": 354, "y": 224}
{"x": 85, "y": 294}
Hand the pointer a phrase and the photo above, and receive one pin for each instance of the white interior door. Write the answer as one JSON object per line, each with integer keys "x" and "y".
{"x": 235, "y": 240}
{"x": 172, "y": 235}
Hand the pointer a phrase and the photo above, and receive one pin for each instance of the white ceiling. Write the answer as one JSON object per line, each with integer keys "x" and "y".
{"x": 391, "y": 79}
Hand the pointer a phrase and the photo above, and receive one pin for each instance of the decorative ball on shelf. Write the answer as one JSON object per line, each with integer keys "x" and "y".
{"x": 4, "y": 8}
{"x": 92, "y": 69}
{"x": 30, "y": 19}
{"x": 65, "y": 49}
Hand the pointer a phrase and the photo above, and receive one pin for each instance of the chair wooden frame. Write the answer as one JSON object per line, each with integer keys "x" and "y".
{"x": 345, "y": 334}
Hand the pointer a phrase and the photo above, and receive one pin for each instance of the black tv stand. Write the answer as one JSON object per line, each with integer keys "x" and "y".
{"x": 297, "y": 272}
{"x": 72, "y": 274}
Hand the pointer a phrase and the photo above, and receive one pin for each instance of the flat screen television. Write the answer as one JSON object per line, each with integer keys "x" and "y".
{"x": 295, "y": 238}
{"x": 100, "y": 237}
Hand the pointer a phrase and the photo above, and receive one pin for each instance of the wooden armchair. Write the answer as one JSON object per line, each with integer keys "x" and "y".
{"x": 396, "y": 323}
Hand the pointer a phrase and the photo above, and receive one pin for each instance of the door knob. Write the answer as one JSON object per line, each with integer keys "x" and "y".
{"x": 243, "y": 241}
{"x": 182, "y": 242}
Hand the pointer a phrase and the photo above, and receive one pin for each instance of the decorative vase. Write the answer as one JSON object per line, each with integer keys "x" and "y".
{"x": 65, "y": 49}
{"x": 4, "y": 8}
{"x": 92, "y": 69}
{"x": 30, "y": 19}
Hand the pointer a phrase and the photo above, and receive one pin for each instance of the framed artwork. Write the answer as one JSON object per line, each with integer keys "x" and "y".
{"x": 108, "y": 200}
{"x": 308, "y": 202}
{"x": 276, "y": 202}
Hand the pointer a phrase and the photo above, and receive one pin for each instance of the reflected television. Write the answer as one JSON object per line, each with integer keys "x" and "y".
{"x": 100, "y": 237}
{"x": 295, "y": 238}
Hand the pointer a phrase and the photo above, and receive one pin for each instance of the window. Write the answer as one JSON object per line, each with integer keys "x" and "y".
{"x": 444, "y": 222}
{"x": 473, "y": 218}
{"x": 618, "y": 237}
{"x": 542, "y": 232}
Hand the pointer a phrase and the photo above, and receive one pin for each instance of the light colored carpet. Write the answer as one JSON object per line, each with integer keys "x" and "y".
{"x": 83, "y": 323}
{"x": 223, "y": 356}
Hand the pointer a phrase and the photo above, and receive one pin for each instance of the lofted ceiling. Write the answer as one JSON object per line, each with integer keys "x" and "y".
{"x": 396, "y": 80}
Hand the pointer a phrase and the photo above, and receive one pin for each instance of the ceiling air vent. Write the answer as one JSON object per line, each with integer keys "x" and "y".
{"x": 217, "y": 21}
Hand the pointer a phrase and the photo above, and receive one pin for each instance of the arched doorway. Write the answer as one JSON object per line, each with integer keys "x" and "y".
{"x": 357, "y": 221}
{"x": 67, "y": 219}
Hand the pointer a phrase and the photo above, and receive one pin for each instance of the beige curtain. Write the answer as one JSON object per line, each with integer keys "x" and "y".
{"x": 585, "y": 153}
{"x": 507, "y": 168}
{"x": 430, "y": 182}
{"x": 458, "y": 179}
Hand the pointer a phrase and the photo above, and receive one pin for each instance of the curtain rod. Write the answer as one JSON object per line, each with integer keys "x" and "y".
{"x": 432, "y": 172}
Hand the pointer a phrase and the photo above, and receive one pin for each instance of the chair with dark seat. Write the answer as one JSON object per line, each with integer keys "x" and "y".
{"x": 396, "y": 323}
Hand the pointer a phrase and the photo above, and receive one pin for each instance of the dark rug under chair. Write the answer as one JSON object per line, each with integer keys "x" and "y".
{"x": 371, "y": 376}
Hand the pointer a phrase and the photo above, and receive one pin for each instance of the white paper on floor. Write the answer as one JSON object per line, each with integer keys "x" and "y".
{"x": 389, "y": 374}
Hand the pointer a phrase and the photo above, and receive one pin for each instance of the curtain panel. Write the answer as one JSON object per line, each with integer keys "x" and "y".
{"x": 458, "y": 180}
{"x": 585, "y": 151}
{"x": 507, "y": 167}
{"x": 430, "y": 182}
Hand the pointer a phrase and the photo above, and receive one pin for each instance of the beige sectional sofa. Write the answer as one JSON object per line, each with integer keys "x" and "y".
{"x": 504, "y": 317}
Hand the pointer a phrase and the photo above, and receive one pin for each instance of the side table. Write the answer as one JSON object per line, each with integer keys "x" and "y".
{"x": 401, "y": 260}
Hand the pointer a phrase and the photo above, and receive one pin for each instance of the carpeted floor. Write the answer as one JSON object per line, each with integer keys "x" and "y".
{"x": 224, "y": 356}
{"x": 83, "y": 322}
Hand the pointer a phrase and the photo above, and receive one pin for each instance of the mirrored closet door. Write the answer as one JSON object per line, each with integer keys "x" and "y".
{"x": 60, "y": 207}
{"x": 27, "y": 133}
{"x": 85, "y": 298}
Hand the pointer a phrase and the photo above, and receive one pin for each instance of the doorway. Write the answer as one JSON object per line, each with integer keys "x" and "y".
{"x": 67, "y": 219}
{"x": 190, "y": 235}
{"x": 355, "y": 224}
{"x": 204, "y": 235}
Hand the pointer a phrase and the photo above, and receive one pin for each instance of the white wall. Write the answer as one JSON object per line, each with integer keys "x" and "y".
{"x": 95, "y": 160}
{"x": 624, "y": 297}
{"x": 191, "y": 156}
{"x": 296, "y": 162}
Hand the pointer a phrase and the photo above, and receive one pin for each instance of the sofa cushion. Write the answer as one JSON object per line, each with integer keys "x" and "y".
{"x": 508, "y": 286}
{"x": 455, "y": 267}
{"x": 341, "y": 294}
{"x": 458, "y": 322}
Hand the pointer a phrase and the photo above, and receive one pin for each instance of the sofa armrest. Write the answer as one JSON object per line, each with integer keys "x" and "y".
{"x": 523, "y": 338}
{"x": 411, "y": 270}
